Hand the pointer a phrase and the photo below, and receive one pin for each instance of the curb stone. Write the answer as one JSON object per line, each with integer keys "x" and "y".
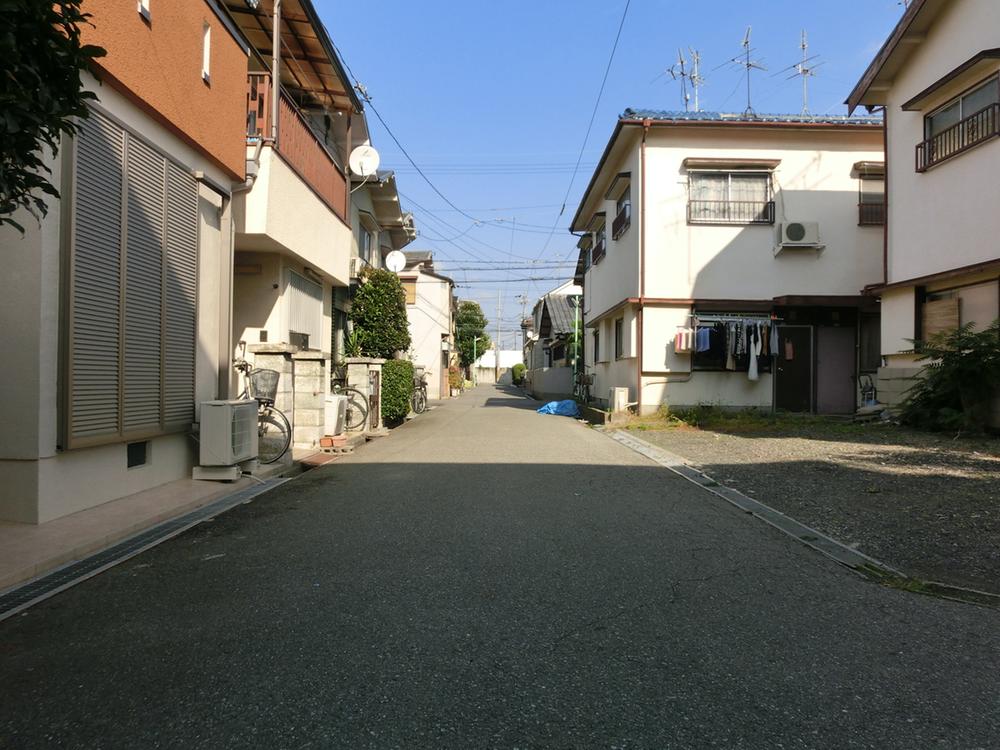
{"x": 849, "y": 557}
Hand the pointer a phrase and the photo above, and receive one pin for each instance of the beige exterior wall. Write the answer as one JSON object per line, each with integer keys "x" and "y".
{"x": 429, "y": 319}
{"x": 946, "y": 217}
{"x": 282, "y": 214}
{"x": 40, "y": 481}
{"x": 812, "y": 183}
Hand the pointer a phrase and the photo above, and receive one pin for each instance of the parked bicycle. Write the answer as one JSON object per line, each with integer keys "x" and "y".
{"x": 418, "y": 401}
{"x": 274, "y": 433}
{"x": 356, "y": 414}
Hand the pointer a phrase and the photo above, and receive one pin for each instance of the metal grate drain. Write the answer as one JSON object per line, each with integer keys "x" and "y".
{"x": 24, "y": 595}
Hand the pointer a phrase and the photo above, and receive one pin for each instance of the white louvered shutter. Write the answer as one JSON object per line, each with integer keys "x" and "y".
{"x": 143, "y": 287}
{"x": 305, "y": 305}
{"x": 95, "y": 297}
{"x": 180, "y": 297}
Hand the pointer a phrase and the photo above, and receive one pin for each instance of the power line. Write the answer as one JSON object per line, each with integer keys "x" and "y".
{"x": 590, "y": 126}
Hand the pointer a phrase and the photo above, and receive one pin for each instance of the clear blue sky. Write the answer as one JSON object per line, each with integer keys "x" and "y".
{"x": 492, "y": 100}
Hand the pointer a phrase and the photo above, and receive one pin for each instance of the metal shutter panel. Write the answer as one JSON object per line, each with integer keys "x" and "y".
{"x": 143, "y": 287}
{"x": 305, "y": 307}
{"x": 95, "y": 298}
{"x": 180, "y": 297}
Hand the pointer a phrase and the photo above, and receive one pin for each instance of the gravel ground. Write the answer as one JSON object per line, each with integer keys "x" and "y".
{"x": 926, "y": 504}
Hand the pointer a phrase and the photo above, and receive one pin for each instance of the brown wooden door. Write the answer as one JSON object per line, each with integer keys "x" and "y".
{"x": 835, "y": 385}
{"x": 793, "y": 375}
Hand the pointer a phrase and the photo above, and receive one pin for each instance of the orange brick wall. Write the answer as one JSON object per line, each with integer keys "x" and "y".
{"x": 157, "y": 63}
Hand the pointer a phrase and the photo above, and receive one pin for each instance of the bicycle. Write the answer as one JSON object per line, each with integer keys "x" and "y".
{"x": 274, "y": 433}
{"x": 356, "y": 414}
{"x": 418, "y": 401}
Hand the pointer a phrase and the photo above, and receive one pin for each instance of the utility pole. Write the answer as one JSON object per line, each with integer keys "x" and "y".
{"x": 496, "y": 347}
{"x": 523, "y": 299}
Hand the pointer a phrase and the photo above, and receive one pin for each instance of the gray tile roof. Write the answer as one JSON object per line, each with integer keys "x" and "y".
{"x": 561, "y": 313}
{"x": 670, "y": 116}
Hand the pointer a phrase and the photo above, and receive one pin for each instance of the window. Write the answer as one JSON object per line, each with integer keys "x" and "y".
{"x": 206, "y": 52}
{"x": 871, "y": 201}
{"x": 133, "y": 290}
{"x": 623, "y": 213}
{"x": 619, "y": 338}
{"x": 597, "y": 347}
{"x": 730, "y": 198}
{"x": 599, "y": 231}
{"x": 143, "y": 8}
{"x": 410, "y": 288}
{"x": 960, "y": 124}
{"x": 947, "y": 309}
{"x": 305, "y": 308}
{"x": 365, "y": 244}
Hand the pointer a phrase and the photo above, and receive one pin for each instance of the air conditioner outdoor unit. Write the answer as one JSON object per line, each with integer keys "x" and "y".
{"x": 228, "y": 433}
{"x": 800, "y": 234}
{"x": 357, "y": 266}
{"x": 335, "y": 413}
{"x": 619, "y": 399}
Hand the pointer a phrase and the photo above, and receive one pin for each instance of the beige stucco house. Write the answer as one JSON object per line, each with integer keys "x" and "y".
{"x": 936, "y": 81}
{"x": 116, "y": 304}
{"x": 702, "y": 220}
{"x": 430, "y": 310}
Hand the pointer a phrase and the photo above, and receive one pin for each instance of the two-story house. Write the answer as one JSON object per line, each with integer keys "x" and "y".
{"x": 550, "y": 352}
{"x": 114, "y": 327}
{"x": 430, "y": 312}
{"x": 723, "y": 257}
{"x": 937, "y": 80}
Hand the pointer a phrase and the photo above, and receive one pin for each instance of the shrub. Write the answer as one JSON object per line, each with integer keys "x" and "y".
{"x": 379, "y": 314}
{"x": 517, "y": 373}
{"x": 961, "y": 376}
{"x": 397, "y": 390}
{"x": 455, "y": 379}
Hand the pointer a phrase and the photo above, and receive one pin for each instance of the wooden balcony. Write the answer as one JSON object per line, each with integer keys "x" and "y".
{"x": 871, "y": 214}
{"x": 730, "y": 212}
{"x": 960, "y": 137}
{"x": 298, "y": 146}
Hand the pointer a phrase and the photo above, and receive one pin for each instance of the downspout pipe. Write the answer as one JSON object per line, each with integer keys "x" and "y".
{"x": 642, "y": 260}
{"x": 275, "y": 69}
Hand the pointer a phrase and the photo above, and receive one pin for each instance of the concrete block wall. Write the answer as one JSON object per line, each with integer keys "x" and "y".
{"x": 894, "y": 382}
{"x": 309, "y": 398}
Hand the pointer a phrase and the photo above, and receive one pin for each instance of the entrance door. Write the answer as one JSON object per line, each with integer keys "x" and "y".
{"x": 793, "y": 375}
{"x": 835, "y": 388}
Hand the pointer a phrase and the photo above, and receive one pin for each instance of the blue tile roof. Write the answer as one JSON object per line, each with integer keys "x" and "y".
{"x": 666, "y": 115}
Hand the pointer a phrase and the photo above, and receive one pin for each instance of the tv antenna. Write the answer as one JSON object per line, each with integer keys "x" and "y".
{"x": 743, "y": 60}
{"x": 804, "y": 69}
{"x": 679, "y": 72}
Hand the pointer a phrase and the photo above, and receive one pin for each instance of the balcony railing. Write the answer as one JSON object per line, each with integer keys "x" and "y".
{"x": 871, "y": 214}
{"x": 306, "y": 154}
{"x": 961, "y": 136}
{"x": 621, "y": 223}
{"x": 730, "y": 212}
{"x": 597, "y": 252}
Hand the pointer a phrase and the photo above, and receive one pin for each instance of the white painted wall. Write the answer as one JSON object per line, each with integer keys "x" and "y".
{"x": 813, "y": 182}
{"x": 282, "y": 214}
{"x": 41, "y": 482}
{"x": 946, "y": 217}
{"x": 429, "y": 319}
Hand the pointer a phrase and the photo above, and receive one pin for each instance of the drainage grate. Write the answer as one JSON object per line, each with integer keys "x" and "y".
{"x": 24, "y": 595}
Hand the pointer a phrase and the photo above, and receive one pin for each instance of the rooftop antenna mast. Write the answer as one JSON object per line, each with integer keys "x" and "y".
{"x": 804, "y": 69}
{"x": 749, "y": 66}
{"x": 678, "y": 72}
{"x": 696, "y": 79}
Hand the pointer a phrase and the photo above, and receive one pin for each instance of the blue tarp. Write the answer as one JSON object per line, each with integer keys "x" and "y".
{"x": 566, "y": 408}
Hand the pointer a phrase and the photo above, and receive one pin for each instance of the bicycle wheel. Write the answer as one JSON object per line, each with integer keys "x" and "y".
{"x": 419, "y": 402}
{"x": 356, "y": 415}
{"x": 274, "y": 435}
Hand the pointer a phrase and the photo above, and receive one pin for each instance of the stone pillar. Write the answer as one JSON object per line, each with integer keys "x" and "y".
{"x": 278, "y": 357}
{"x": 310, "y": 389}
{"x": 359, "y": 375}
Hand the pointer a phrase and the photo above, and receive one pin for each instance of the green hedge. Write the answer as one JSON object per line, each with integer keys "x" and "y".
{"x": 397, "y": 390}
{"x": 517, "y": 373}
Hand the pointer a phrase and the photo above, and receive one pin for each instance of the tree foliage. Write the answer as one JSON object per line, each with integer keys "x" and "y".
{"x": 961, "y": 377}
{"x": 471, "y": 324}
{"x": 41, "y": 58}
{"x": 379, "y": 314}
{"x": 397, "y": 390}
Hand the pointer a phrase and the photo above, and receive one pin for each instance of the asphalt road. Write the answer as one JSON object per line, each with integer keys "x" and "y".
{"x": 489, "y": 577}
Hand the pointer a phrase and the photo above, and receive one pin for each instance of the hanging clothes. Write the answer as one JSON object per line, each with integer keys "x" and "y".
{"x": 754, "y": 345}
{"x": 703, "y": 339}
{"x": 730, "y": 346}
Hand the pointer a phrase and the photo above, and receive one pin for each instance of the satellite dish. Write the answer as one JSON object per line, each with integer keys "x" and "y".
{"x": 395, "y": 261}
{"x": 364, "y": 161}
